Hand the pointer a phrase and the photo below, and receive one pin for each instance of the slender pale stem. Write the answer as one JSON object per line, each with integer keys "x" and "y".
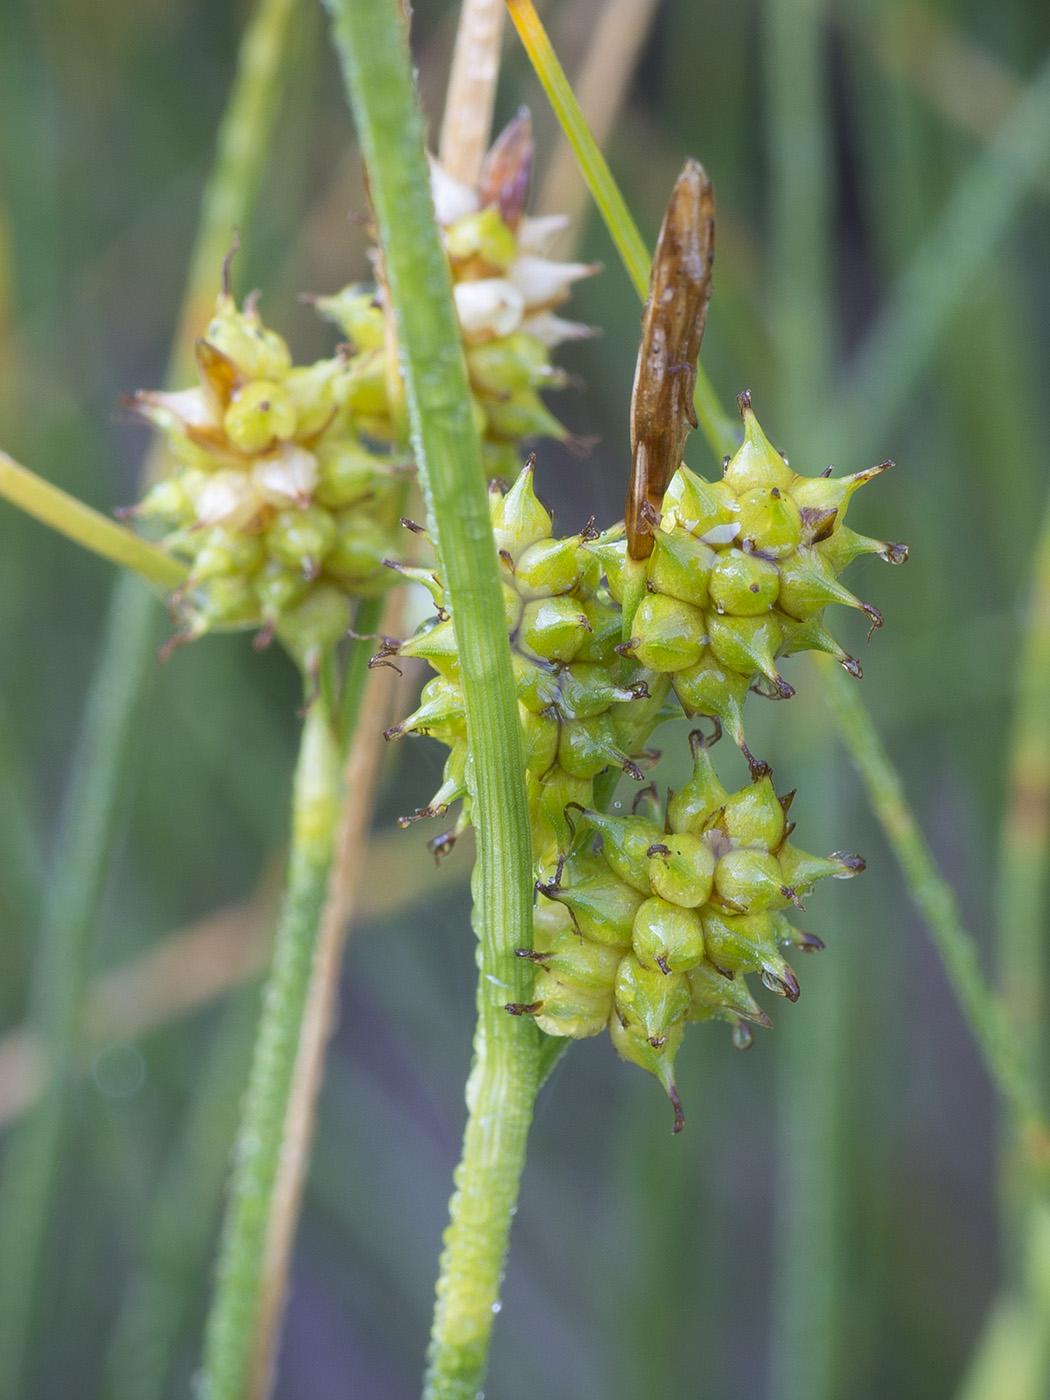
{"x": 503, "y": 1081}
{"x": 78, "y": 522}
{"x": 233, "y": 1322}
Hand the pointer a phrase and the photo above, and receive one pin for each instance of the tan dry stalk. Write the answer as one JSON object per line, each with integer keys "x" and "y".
{"x": 601, "y": 86}
{"x": 471, "y": 94}
{"x": 360, "y": 776}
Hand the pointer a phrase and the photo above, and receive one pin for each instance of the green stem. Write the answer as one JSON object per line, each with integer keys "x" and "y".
{"x": 77, "y": 871}
{"x": 87, "y": 527}
{"x": 504, "y": 1077}
{"x": 233, "y": 1321}
{"x": 984, "y": 1012}
{"x": 1012, "y": 1359}
{"x": 1025, "y": 843}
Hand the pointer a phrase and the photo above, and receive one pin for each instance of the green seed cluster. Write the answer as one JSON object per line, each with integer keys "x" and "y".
{"x": 662, "y": 923}
{"x": 282, "y": 510}
{"x": 740, "y": 574}
{"x": 665, "y": 922}
{"x": 582, "y": 709}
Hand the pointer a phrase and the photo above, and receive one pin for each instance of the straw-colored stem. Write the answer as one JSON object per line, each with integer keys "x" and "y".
{"x": 503, "y": 1081}
{"x": 471, "y": 93}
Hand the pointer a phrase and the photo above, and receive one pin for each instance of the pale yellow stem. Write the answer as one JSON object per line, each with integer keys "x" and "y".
{"x": 63, "y": 512}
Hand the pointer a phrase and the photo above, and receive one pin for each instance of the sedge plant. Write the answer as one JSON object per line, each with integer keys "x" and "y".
{"x": 554, "y": 659}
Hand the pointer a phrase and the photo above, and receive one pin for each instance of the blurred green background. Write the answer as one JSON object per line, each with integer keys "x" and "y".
{"x": 826, "y": 1225}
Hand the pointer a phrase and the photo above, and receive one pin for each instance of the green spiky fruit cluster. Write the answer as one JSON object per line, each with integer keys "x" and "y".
{"x": 665, "y": 922}
{"x": 740, "y": 574}
{"x": 505, "y": 290}
{"x": 582, "y": 709}
{"x": 282, "y": 510}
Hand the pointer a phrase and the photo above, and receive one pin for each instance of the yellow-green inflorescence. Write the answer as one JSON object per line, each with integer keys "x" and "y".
{"x": 663, "y": 923}
{"x": 646, "y": 925}
{"x": 285, "y": 494}
{"x": 506, "y": 291}
{"x": 582, "y": 709}
{"x": 283, "y": 507}
{"x": 740, "y": 574}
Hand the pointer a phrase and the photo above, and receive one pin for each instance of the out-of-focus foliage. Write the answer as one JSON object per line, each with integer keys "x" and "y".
{"x": 642, "y": 1265}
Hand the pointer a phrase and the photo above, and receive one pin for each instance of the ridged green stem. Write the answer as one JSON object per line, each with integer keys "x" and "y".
{"x": 232, "y": 1326}
{"x": 1022, "y": 146}
{"x": 77, "y": 871}
{"x": 504, "y": 1077}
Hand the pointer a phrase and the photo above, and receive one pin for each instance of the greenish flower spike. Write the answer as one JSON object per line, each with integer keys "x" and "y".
{"x": 506, "y": 293}
{"x": 659, "y": 925}
{"x": 739, "y": 575}
{"x": 582, "y": 711}
{"x": 688, "y": 605}
{"x": 278, "y": 503}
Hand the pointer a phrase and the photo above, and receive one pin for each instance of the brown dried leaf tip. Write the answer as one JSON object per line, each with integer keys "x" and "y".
{"x": 672, "y": 328}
